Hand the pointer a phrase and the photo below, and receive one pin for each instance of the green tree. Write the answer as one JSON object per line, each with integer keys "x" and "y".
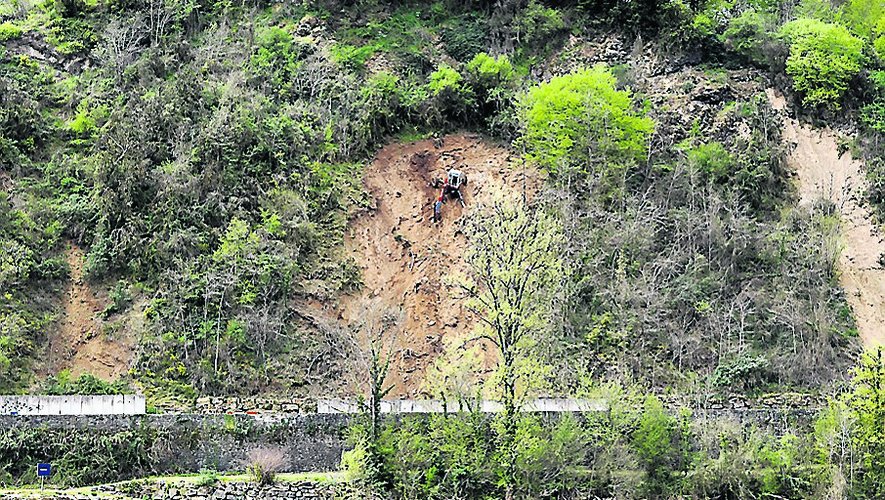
{"x": 850, "y": 435}
{"x": 867, "y": 402}
{"x": 823, "y": 60}
{"x": 581, "y": 119}
{"x": 514, "y": 275}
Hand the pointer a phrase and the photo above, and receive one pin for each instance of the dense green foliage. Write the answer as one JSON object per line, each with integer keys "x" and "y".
{"x": 637, "y": 449}
{"x": 85, "y": 384}
{"x": 582, "y": 118}
{"x": 823, "y": 60}
{"x": 77, "y": 458}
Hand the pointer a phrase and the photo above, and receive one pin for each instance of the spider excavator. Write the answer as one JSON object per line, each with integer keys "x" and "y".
{"x": 449, "y": 188}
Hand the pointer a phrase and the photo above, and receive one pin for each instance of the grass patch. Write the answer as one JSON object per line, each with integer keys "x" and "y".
{"x": 34, "y": 491}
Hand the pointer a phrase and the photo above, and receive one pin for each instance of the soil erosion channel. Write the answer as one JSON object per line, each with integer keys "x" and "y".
{"x": 405, "y": 257}
{"x": 822, "y": 171}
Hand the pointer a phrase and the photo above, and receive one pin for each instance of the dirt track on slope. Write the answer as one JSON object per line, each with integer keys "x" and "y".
{"x": 405, "y": 257}
{"x": 823, "y": 172}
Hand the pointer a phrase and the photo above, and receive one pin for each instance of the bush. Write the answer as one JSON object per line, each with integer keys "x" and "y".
{"x": 489, "y": 72}
{"x": 264, "y": 463}
{"x": 873, "y": 114}
{"x": 682, "y": 29}
{"x": 9, "y": 31}
{"x": 465, "y": 37}
{"x": 86, "y": 385}
{"x": 580, "y": 118}
{"x": 539, "y": 26}
{"x": 79, "y": 457}
{"x": 120, "y": 299}
{"x": 712, "y": 160}
{"x": 748, "y": 34}
{"x": 492, "y": 80}
{"x": 863, "y": 16}
{"x": 661, "y": 443}
{"x": 823, "y": 60}
{"x": 207, "y": 478}
{"x": 451, "y": 100}
{"x": 351, "y": 56}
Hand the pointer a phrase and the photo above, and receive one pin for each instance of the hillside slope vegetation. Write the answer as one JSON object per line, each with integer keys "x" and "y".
{"x": 209, "y": 159}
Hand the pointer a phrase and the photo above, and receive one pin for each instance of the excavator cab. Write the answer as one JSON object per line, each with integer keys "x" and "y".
{"x": 456, "y": 178}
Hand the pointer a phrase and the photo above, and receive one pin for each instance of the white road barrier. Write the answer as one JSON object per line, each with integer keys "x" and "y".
{"x": 130, "y": 404}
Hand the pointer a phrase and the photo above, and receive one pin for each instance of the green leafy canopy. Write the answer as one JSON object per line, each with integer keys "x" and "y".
{"x": 582, "y": 116}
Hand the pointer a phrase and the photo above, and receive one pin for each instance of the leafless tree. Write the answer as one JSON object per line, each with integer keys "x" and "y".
{"x": 123, "y": 40}
{"x": 369, "y": 344}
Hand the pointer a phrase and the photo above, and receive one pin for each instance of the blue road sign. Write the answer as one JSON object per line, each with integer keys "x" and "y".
{"x": 43, "y": 470}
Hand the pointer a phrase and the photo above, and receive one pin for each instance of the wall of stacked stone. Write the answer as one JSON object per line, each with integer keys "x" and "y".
{"x": 300, "y": 490}
{"x": 190, "y": 443}
{"x": 258, "y": 405}
{"x": 247, "y": 405}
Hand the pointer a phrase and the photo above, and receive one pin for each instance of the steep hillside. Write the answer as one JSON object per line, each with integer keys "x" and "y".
{"x": 826, "y": 172}
{"x": 222, "y": 165}
{"x": 77, "y": 342}
{"x": 406, "y": 258}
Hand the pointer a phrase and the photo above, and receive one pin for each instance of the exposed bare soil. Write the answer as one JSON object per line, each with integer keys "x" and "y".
{"x": 405, "y": 257}
{"x": 80, "y": 341}
{"x": 822, "y": 171}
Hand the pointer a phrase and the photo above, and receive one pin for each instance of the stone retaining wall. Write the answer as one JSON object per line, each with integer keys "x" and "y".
{"x": 302, "y": 490}
{"x": 180, "y": 490}
{"x": 190, "y": 443}
{"x": 258, "y": 405}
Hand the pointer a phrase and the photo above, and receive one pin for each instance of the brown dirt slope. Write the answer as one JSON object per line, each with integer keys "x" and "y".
{"x": 822, "y": 171}
{"x": 79, "y": 342}
{"x": 405, "y": 257}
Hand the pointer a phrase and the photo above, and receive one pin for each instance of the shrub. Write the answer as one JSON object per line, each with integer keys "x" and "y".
{"x": 492, "y": 80}
{"x": 863, "y": 16}
{"x": 264, "y": 463}
{"x": 351, "y": 56}
{"x": 661, "y": 445}
{"x": 743, "y": 372}
{"x": 465, "y": 38}
{"x": 9, "y": 31}
{"x": 580, "y": 117}
{"x": 682, "y": 29}
{"x": 748, "y": 34}
{"x": 538, "y": 26}
{"x": 86, "y": 384}
{"x": 823, "y": 59}
{"x": 873, "y": 114}
{"x": 712, "y": 159}
{"x": 87, "y": 118}
{"x": 120, "y": 299}
{"x": 207, "y": 478}
{"x": 489, "y": 72}
{"x": 79, "y": 457}
{"x": 71, "y": 35}
{"x": 450, "y": 98}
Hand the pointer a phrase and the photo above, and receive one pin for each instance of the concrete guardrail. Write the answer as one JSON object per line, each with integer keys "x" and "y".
{"x": 130, "y": 404}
